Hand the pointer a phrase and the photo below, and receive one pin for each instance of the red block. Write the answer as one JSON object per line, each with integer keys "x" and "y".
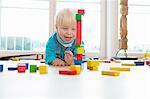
{"x": 79, "y": 56}
{"x": 81, "y": 11}
{"x": 68, "y": 72}
{"x": 21, "y": 68}
{"x": 79, "y": 33}
{"x": 148, "y": 62}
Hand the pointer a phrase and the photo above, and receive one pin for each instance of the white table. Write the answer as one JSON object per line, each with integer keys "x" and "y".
{"x": 88, "y": 85}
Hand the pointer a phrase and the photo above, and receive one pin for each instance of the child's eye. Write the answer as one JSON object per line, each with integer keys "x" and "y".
{"x": 73, "y": 29}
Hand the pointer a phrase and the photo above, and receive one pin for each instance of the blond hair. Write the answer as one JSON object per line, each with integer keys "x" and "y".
{"x": 65, "y": 16}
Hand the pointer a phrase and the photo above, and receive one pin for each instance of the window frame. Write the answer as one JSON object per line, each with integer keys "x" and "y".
{"x": 106, "y": 48}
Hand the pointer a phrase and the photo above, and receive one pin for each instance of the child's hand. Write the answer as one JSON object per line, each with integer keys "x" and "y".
{"x": 69, "y": 58}
{"x": 58, "y": 62}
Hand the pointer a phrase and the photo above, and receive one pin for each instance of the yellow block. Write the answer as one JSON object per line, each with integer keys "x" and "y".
{"x": 15, "y": 59}
{"x": 43, "y": 69}
{"x": 111, "y": 73}
{"x": 119, "y": 68}
{"x": 93, "y": 68}
{"x": 80, "y": 50}
{"x": 129, "y": 64}
{"x": 147, "y": 55}
{"x": 75, "y": 67}
{"x": 93, "y": 63}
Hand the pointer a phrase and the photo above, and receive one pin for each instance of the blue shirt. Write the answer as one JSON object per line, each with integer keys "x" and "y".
{"x": 55, "y": 50}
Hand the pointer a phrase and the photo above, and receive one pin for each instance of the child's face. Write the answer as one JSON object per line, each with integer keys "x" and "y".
{"x": 67, "y": 32}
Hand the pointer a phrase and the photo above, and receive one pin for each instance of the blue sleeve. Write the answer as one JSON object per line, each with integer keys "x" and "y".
{"x": 50, "y": 51}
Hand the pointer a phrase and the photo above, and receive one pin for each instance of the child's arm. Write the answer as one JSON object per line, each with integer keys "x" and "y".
{"x": 50, "y": 51}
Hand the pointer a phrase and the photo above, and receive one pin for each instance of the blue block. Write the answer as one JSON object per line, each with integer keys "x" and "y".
{"x": 37, "y": 68}
{"x": 27, "y": 66}
{"x": 1, "y": 67}
{"x": 139, "y": 63}
{"x": 12, "y": 68}
{"x": 78, "y": 62}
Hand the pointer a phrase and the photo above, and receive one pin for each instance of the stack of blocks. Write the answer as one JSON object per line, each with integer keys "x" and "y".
{"x": 93, "y": 64}
{"x": 79, "y": 50}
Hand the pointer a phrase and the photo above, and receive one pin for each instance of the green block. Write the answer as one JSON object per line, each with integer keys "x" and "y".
{"x": 78, "y": 16}
{"x": 76, "y": 46}
{"x": 33, "y": 68}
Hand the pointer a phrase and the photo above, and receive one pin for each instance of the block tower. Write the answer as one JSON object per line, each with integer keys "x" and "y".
{"x": 79, "y": 51}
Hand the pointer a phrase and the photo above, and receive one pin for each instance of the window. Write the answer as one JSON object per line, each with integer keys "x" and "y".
{"x": 138, "y": 21}
{"x": 91, "y": 21}
{"x": 24, "y": 24}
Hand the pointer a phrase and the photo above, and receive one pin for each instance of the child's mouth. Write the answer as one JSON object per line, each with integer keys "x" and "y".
{"x": 68, "y": 38}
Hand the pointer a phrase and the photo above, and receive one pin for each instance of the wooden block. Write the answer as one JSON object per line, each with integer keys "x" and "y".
{"x": 33, "y": 68}
{"x": 80, "y": 50}
{"x": 21, "y": 68}
{"x": 148, "y": 62}
{"x": 78, "y": 62}
{"x": 15, "y": 59}
{"x": 76, "y": 68}
{"x": 111, "y": 73}
{"x": 1, "y": 68}
{"x": 79, "y": 56}
{"x": 78, "y": 17}
{"x": 139, "y": 63}
{"x": 43, "y": 69}
{"x": 12, "y": 68}
{"x": 129, "y": 64}
{"x": 119, "y": 68}
{"x": 79, "y": 33}
{"x": 93, "y": 63}
{"x": 67, "y": 72}
{"x": 81, "y": 11}
{"x": 93, "y": 68}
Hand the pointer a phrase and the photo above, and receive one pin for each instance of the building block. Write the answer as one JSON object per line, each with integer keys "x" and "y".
{"x": 111, "y": 73}
{"x": 78, "y": 17}
{"x": 12, "y": 68}
{"x": 76, "y": 68}
{"x": 78, "y": 62}
{"x": 81, "y": 11}
{"x": 15, "y": 59}
{"x": 43, "y": 69}
{"x": 93, "y": 68}
{"x": 76, "y": 46}
{"x": 21, "y": 68}
{"x": 119, "y": 68}
{"x": 93, "y": 63}
{"x": 148, "y": 62}
{"x": 78, "y": 33}
{"x": 80, "y": 50}
{"x": 139, "y": 63}
{"x": 129, "y": 64}
{"x": 26, "y": 64}
{"x": 79, "y": 56}
{"x": 33, "y": 68}
{"x": 68, "y": 72}
{"x": 1, "y": 68}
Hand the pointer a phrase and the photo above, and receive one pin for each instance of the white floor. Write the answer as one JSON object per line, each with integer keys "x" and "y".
{"x": 88, "y": 85}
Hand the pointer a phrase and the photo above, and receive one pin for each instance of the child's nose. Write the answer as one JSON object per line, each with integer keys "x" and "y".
{"x": 69, "y": 32}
